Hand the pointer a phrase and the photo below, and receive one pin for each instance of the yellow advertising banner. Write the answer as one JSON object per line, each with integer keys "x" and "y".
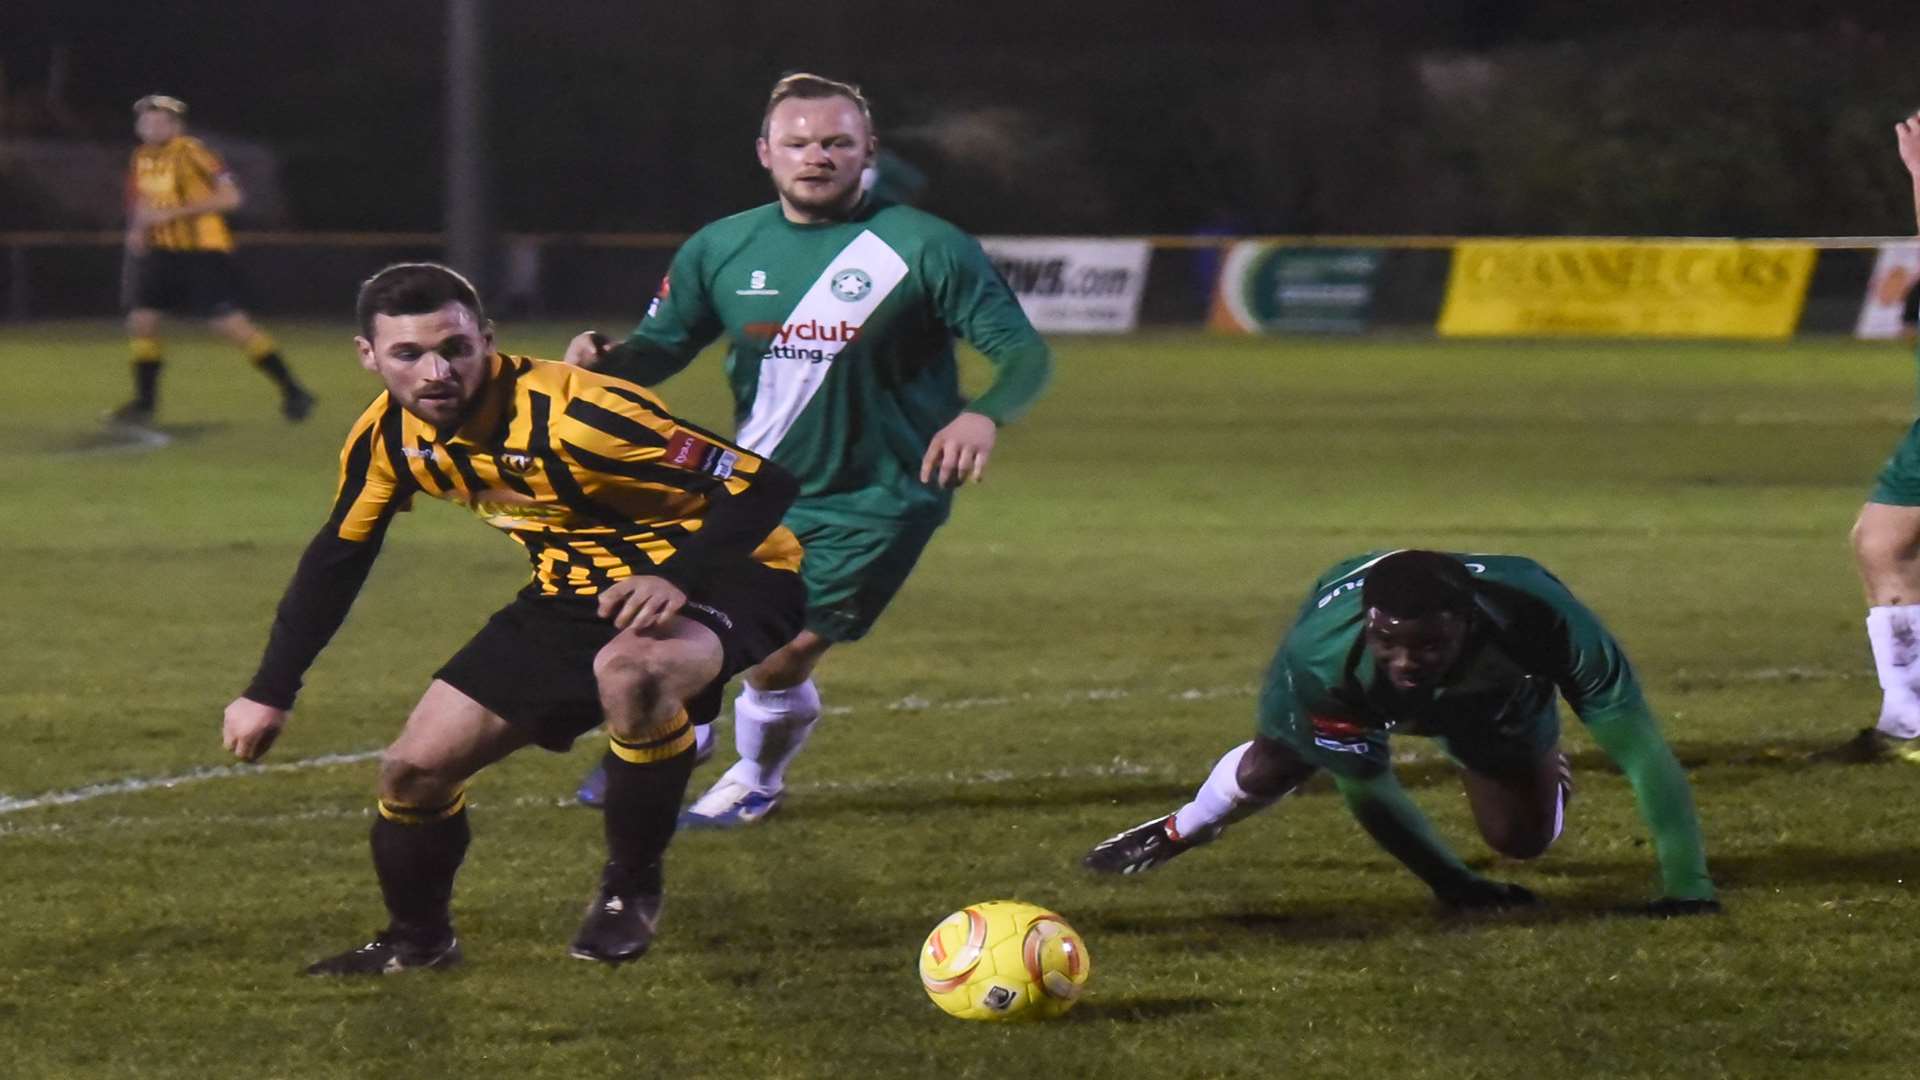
{"x": 1629, "y": 288}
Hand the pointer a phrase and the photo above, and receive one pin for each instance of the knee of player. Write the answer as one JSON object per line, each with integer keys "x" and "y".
{"x": 1877, "y": 546}
{"x": 1270, "y": 768}
{"x": 636, "y": 669}
{"x": 410, "y": 782}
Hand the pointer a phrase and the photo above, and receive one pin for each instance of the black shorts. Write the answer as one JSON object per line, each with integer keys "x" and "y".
{"x": 198, "y": 283}
{"x": 532, "y": 663}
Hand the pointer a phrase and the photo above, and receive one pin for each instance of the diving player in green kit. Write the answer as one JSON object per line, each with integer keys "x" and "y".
{"x": 1468, "y": 649}
{"x": 841, "y": 311}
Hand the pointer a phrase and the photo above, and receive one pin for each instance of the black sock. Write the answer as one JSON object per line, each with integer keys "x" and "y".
{"x": 642, "y": 809}
{"x": 416, "y": 852}
{"x": 273, "y": 367}
{"x": 146, "y": 383}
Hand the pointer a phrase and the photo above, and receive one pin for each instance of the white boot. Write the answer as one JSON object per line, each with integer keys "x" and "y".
{"x": 769, "y": 728}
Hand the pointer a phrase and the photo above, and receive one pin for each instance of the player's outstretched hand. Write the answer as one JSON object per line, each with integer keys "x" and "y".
{"x": 959, "y": 451}
{"x": 1481, "y": 894}
{"x": 641, "y": 603}
{"x": 585, "y": 348}
{"x": 249, "y": 728}
{"x": 1668, "y": 907}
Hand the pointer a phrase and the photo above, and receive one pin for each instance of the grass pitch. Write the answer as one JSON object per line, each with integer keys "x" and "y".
{"x": 1075, "y": 649}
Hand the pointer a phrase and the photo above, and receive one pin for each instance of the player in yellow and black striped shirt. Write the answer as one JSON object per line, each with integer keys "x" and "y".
{"x": 660, "y": 570}
{"x": 180, "y": 256}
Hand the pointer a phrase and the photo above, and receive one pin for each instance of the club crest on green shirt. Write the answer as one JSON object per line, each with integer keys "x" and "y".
{"x": 851, "y": 285}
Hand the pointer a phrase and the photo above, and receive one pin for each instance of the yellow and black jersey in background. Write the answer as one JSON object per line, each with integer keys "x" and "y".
{"x": 590, "y": 474}
{"x": 177, "y": 172}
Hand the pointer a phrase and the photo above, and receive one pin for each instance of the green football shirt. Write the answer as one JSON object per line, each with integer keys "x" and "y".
{"x": 1325, "y": 697}
{"x": 841, "y": 337}
{"x": 1322, "y": 688}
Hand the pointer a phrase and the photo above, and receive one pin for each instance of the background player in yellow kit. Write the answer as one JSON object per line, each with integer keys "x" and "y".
{"x": 180, "y": 256}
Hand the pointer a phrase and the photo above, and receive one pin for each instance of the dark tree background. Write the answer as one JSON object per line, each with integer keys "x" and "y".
{"x": 1368, "y": 116}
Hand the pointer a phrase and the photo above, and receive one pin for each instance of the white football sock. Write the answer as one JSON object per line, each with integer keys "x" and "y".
{"x": 1894, "y": 633}
{"x": 1220, "y": 801}
{"x": 702, "y": 741}
{"x": 769, "y": 728}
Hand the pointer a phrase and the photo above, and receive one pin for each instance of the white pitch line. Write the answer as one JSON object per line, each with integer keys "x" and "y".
{"x": 1791, "y": 674}
{"x": 1115, "y": 769}
{"x": 134, "y": 785}
{"x": 1118, "y": 768}
{"x": 911, "y": 703}
{"x": 134, "y": 441}
{"x": 1095, "y": 696}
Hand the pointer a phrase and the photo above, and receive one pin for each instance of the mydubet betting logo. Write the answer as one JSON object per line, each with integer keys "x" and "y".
{"x": 1004, "y": 960}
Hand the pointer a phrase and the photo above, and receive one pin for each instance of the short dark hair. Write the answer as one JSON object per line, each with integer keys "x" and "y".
{"x": 810, "y": 87}
{"x": 415, "y": 288}
{"x": 1414, "y": 584}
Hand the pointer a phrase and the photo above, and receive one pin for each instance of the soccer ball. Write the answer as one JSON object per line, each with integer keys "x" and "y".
{"x": 1004, "y": 960}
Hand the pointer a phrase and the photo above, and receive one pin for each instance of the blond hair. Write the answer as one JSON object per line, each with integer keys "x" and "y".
{"x": 161, "y": 103}
{"x": 810, "y": 87}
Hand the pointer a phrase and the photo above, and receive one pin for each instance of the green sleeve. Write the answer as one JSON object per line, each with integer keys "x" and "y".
{"x": 1632, "y": 739}
{"x": 1588, "y": 664}
{"x": 1593, "y": 674}
{"x": 1277, "y": 713}
{"x": 1389, "y": 815}
{"x": 1289, "y": 699}
{"x": 977, "y": 304}
{"x": 680, "y": 321}
{"x": 640, "y": 361}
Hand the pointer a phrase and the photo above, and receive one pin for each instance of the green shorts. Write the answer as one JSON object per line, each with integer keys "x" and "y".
{"x": 1502, "y": 748}
{"x": 1515, "y": 747}
{"x": 854, "y": 567}
{"x": 1899, "y": 480}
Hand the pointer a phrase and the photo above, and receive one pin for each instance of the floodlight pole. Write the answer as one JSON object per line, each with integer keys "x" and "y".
{"x": 469, "y": 222}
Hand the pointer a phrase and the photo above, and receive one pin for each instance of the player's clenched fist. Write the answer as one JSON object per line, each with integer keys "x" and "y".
{"x": 250, "y": 728}
{"x": 585, "y": 348}
{"x": 1907, "y": 134}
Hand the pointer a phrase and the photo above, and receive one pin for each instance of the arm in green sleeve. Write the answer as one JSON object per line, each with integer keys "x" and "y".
{"x": 1594, "y": 676}
{"x": 638, "y": 359}
{"x": 1384, "y": 809}
{"x": 1020, "y": 374}
{"x": 975, "y": 301}
{"x": 680, "y": 321}
{"x": 1632, "y": 739}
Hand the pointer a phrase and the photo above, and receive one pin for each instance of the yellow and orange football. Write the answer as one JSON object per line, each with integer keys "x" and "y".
{"x": 1004, "y": 960}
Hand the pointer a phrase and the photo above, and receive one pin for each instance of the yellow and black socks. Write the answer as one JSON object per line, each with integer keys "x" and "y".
{"x": 265, "y": 355}
{"x": 646, "y": 780}
{"x": 146, "y": 371}
{"x": 417, "y": 850}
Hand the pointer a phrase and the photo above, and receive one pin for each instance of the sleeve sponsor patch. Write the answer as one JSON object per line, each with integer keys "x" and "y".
{"x": 695, "y": 454}
{"x": 1340, "y": 735}
{"x": 665, "y": 290}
